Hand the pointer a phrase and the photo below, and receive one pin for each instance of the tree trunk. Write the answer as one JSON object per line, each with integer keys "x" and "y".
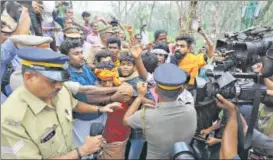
{"x": 214, "y": 17}
{"x": 192, "y": 21}
{"x": 263, "y": 13}
{"x": 71, "y": 4}
{"x": 126, "y": 12}
{"x": 151, "y": 14}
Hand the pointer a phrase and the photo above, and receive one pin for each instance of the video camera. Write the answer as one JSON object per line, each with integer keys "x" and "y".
{"x": 227, "y": 84}
{"x": 182, "y": 150}
{"x": 245, "y": 48}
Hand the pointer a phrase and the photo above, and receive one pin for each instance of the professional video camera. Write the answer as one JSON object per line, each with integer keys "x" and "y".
{"x": 243, "y": 49}
{"x": 226, "y": 83}
{"x": 240, "y": 88}
{"x": 182, "y": 150}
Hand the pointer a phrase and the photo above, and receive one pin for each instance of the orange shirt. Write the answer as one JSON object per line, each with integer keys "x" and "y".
{"x": 191, "y": 63}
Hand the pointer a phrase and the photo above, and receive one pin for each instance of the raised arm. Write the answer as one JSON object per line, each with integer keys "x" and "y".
{"x": 136, "y": 52}
{"x": 211, "y": 47}
{"x": 142, "y": 89}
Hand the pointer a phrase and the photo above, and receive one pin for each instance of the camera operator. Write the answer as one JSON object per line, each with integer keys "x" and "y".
{"x": 230, "y": 141}
{"x": 265, "y": 116}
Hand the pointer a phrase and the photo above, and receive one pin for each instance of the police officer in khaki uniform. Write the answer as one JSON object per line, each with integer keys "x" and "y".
{"x": 36, "y": 119}
{"x": 105, "y": 33}
{"x": 25, "y": 41}
{"x": 170, "y": 121}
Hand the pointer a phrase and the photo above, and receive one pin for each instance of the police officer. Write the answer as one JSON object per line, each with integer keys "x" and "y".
{"x": 171, "y": 121}
{"x": 36, "y": 120}
{"x": 105, "y": 34}
{"x": 25, "y": 41}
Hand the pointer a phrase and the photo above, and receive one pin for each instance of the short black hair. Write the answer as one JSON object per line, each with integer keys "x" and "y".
{"x": 80, "y": 40}
{"x": 150, "y": 61}
{"x": 127, "y": 57}
{"x": 162, "y": 45}
{"x": 114, "y": 40}
{"x": 85, "y": 14}
{"x": 102, "y": 54}
{"x": 188, "y": 38}
{"x": 66, "y": 19}
{"x": 138, "y": 34}
{"x": 69, "y": 44}
{"x": 172, "y": 94}
{"x": 108, "y": 65}
{"x": 158, "y": 32}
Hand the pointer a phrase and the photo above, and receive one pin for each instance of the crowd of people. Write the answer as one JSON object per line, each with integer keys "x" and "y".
{"x": 63, "y": 81}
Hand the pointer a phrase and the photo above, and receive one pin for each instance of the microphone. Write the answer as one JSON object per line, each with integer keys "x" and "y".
{"x": 95, "y": 130}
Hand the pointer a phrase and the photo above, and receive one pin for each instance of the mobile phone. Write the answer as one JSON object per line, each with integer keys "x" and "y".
{"x": 199, "y": 29}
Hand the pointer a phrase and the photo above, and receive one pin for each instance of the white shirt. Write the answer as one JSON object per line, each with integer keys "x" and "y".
{"x": 49, "y": 7}
{"x": 145, "y": 37}
{"x": 186, "y": 97}
{"x": 150, "y": 79}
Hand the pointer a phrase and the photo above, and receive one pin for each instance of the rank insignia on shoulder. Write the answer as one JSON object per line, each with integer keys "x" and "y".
{"x": 12, "y": 149}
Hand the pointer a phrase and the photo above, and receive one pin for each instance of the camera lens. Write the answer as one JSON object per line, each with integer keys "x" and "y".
{"x": 269, "y": 54}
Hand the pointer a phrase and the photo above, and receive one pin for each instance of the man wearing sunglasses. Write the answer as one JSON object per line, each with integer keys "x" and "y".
{"x": 36, "y": 119}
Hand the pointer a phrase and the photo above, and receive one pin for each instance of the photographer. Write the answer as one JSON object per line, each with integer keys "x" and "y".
{"x": 230, "y": 140}
{"x": 265, "y": 116}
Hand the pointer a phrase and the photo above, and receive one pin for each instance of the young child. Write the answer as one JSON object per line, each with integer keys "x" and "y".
{"x": 115, "y": 133}
{"x": 128, "y": 71}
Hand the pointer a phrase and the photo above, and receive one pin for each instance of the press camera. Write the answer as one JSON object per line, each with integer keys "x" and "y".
{"x": 243, "y": 49}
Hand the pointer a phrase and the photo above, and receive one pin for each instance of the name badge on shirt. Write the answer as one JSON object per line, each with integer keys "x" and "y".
{"x": 49, "y": 134}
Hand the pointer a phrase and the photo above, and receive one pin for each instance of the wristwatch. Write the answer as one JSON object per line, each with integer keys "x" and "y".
{"x": 78, "y": 152}
{"x": 99, "y": 110}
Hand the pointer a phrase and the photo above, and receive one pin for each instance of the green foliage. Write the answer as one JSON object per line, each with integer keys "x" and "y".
{"x": 166, "y": 14}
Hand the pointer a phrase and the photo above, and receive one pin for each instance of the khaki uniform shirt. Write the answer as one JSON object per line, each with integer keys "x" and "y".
{"x": 165, "y": 125}
{"x": 31, "y": 129}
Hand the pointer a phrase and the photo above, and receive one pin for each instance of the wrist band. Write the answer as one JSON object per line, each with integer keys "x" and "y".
{"x": 99, "y": 110}
{"x": 78, "y": 152}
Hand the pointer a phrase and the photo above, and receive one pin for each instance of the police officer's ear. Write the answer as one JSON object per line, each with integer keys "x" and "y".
{"x": 28, "y": 76}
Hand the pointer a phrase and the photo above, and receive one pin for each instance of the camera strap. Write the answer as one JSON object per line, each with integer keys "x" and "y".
{"x": 254, "y": 115}
{"x": 248, "y": 138}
